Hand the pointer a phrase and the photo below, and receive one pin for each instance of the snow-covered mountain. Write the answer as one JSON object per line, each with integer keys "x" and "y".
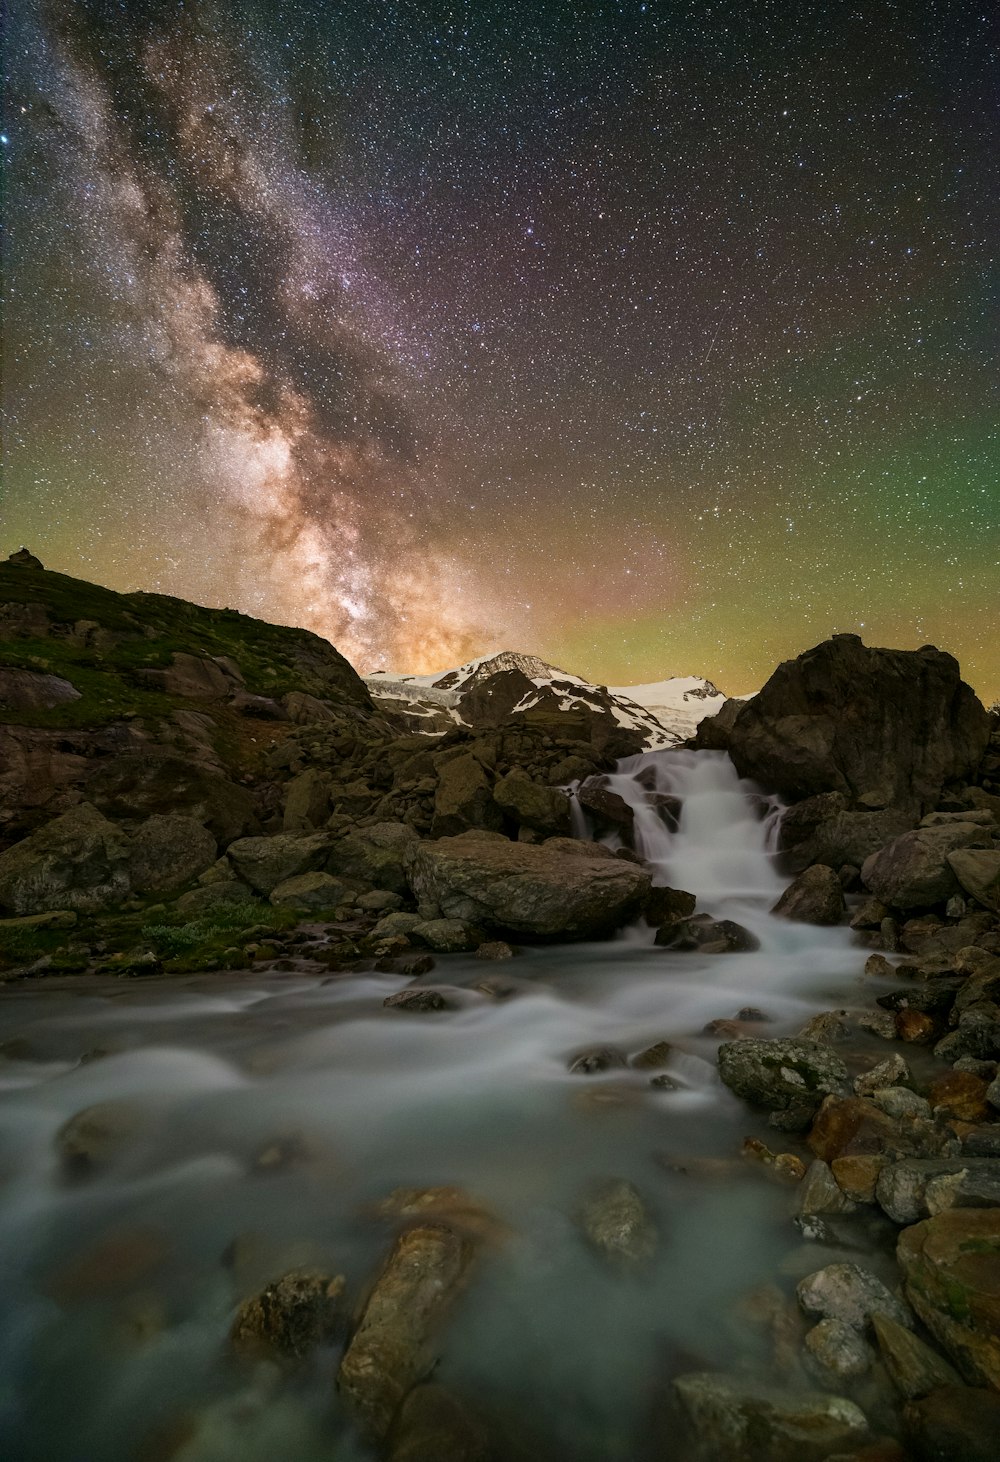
{"x": 488, "y": 690}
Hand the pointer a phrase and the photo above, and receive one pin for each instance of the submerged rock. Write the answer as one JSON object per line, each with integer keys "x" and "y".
{"x": 618, "y": 1224}
{"x": 433, "y": 1426}
{"x": 95, "y": 1136}
{"x": 396, "y": 1342}
{"x": 419, "y": 1000}
{"x": 732, "y": 1418}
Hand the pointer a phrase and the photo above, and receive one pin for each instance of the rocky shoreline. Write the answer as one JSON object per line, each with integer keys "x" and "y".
{"x": 176, "y": 800}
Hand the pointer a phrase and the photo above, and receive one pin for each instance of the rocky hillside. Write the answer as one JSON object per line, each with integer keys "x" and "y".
{"x": 485, "y": 692}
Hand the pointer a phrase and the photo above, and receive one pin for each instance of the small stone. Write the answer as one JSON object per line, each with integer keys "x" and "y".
{"x": 827, "y": 1027}
{"x": 879, "y": 1022}
{"x": 890, "y": 1072}
{"x": 289, "y": 1317}
{"x": 495, "y": 949}
{"x": 785, "y": 1164}
{"x": 915, "y": 1027}
{"x": 856, "y": 1176}
{"x": 836, "y": 1351}
{"x": 899, "y": 1101}
{"x": 653, "y": 1057}
{"x": 417, "y": 1001}
{"x": 595, "y": 1059}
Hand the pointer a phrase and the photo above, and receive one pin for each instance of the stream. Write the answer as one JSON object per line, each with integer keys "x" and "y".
{"x": 270, "y": 1112}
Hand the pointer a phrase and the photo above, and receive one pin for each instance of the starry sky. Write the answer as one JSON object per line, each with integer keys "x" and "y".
{"x": 651, "y": 338}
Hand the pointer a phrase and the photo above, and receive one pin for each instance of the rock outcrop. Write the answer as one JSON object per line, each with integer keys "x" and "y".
{"x": 886, "y": 728}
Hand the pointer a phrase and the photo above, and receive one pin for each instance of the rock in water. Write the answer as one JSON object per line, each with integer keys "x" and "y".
{"x": 782, "y": 1074}
{"x": 851, "y": 1294}
{"x": 433, "y": 1427}
{"x": 815, "y": 897}
{"x": 290, "y": 1317}
{"x": 618, "y": 1224}
{"x": 890, "y": 726}
{"x": 731, "y": 1418}
{"x": 559, "y": 887}
{"x": 913, "y": 1367}
{"x": 954, "y": 1422}
{"x": 394, "y": 1345}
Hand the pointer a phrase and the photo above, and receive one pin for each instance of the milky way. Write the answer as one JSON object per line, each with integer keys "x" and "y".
{"x": 652, "y": 338}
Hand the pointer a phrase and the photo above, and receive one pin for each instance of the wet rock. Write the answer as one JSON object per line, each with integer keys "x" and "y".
{"x": 887, "y": 1073}
{"x": 785, "y": 1165}
{"x": 857, "y": 1176}
{"x": 732, "y": 1417}
{"x": 457, "y": 1209}
{"x": 869, "y": 915}
{"x": 916, "y": 1027}
{"x": 880, "y": 1024}
{"x": 395, "y": 923}
{"x": 418, "y": 1001}
{"x": 446, "y": 936}
{"x": 951, "y": 1265}
{"x": 290, "y": 1317}
{"x": 819, "y": 1197}
{"x": 307, "y": 891}
{"x": 978, "y": 1035}
{"x": 117, "y": 1261}
{"x": 932, "y": 997}
{"x": 653, "y": 1058}
{"x": 826, "y": 1028}
{"x": 913, "y": 1367}
{"x": 837, "y": 1352}
{"x": 396, "y": 1343}
{"x": 913, "y": 871}
{"x": 595, "y": 1059}
{"x": 97, "y": 1135}
{"x": 665, "y": 905}
{"x": 707, "y": 935}
{"x": 954, "y": 1424}
{"x": 781, "y": 1074}
{"x": 495, "y": 949}
{"x": 264, "y": 863}
{"x": 960, "y": 1094}
{"x": 168, "y": 851}
{"x": 379, "y": 901}
{"x": 433, "y": 1426}
{"x": 849, "y": 1293}
{"x": 849, "y": 1127}
{"x": 618, "y": 1225}
{"x": 608, "y": 807}
{"x": 815, "y": 897}
{"x": 558, "y": 887}
{"x": 916, "y": 1187}
{"x": 79, "y": 861}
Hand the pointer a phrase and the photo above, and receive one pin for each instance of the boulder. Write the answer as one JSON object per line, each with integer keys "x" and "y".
{"x": 264, "y": 863}
{"x": 713, "y": 732}
{"x": 305, "y": 709}
{"x": 731, "y": 1417}
{"x": 307, "y": 801}
{"x": 196, "y": 677}
{"x": 560, "y": 887}
{"x": 168, "y": 851}
{"x": 464, "y": 798}
{"x": 34, "y": 690}
{"x": 954, "y": 1424}
{"x": 532, "y": 804}
{"x": 78, "y": 861}
{"x": 978, "y": 872}
{"x": 836, "y": 1351}
{"x": 913, "y": 1367}
{"x": 307, "y": 891}
{"x": 815, "y": 897}
{"x": 883, "y": 727}
{"x": 663, "y": 905}
{"x": 396, "y": 1342}
{"x": 374, "y": 856}
{"x": 609, "y": 808}
{"x": 94, "y": 1137}
{"x": 851, "y": 1294}
{"x": 824, "y": 829}
{"x": 951, "y": 1265}
{"x": 446, "y": 936}
{"x": 913, "y": 871}
{"x": 782, "y": 1074}
{"x": 143, "y": 783}
{"x": 707, "y": 935}
{"x": 618, "y": 1225}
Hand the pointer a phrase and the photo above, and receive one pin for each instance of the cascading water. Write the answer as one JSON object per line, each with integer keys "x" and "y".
{"x": 218, "y": 1067}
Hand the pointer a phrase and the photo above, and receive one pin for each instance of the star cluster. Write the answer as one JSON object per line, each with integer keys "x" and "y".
{"x": 653, "y": 338}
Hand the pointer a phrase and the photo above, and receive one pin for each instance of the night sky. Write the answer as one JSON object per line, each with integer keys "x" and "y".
{"x": 651, "y": 338}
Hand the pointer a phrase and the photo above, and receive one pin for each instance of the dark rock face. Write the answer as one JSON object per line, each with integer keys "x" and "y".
{"x": 815, "y": 897}
{"x": 887, "y": 728}
{"x": 823, "y": 829}
{"x": 913, "y": 871}
{"x": 783, "y": 1074}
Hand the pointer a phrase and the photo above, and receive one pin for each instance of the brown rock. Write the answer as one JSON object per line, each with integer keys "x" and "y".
{"x": 951, "y": 1264}
{"x": 960, "y": 1094}
{"x": 856, "y": 1175}
{"x": 290, "y": 1317}
{"x": 849, "y": 1127}
{"x": 954, "y": 1424}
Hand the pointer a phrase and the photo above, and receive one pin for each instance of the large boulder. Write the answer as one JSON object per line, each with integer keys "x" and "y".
{"x": 734, "y": 1418}
{"x": 78, "y": 861}
{"x": 264, "y": 863}
{"x": 168, "y": 851}
{"x": 823, "y": 829}
{"x": 884, "y": 727}
{"x": 978, "y": 871}
{"x": 533, "y": 805}
{"x": 914, "y": 871}
{"x": 782, "y": 1074}
{"x": 951, "y": 1264}
{"x": 374, "y": 856}
{"x": 560, "y": 887}
{"x": 34, "y": 690}
{"x": 142, "y": 783}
